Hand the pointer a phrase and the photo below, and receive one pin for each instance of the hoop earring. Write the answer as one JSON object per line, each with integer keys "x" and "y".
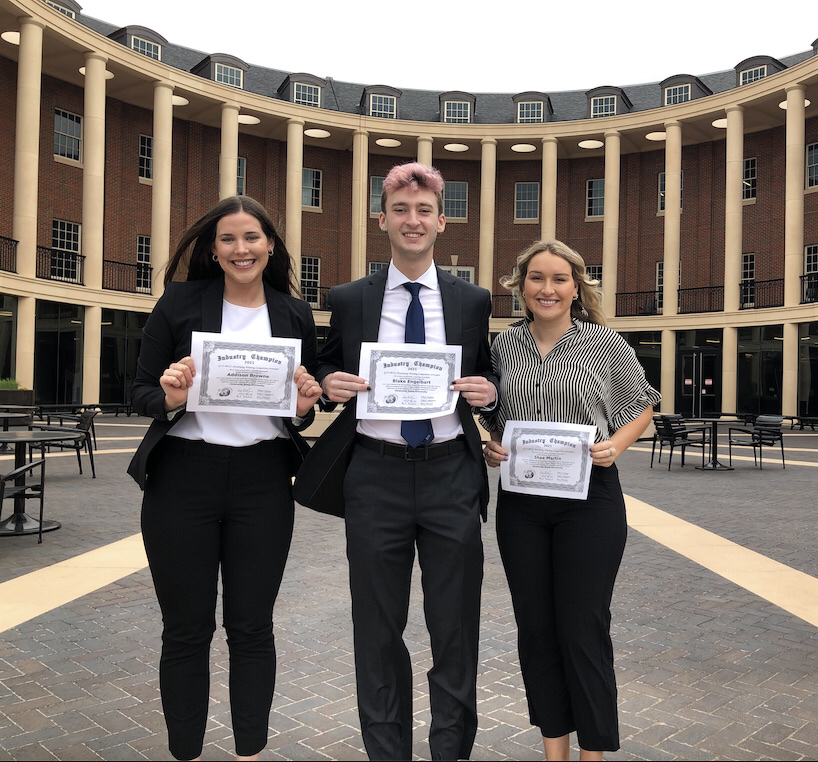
{"x": 270, "y": 253}
{"x": 576, "y": 296}
{"x": 215, "y": 257}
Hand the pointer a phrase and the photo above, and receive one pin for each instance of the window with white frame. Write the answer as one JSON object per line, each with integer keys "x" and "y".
{"x": 748, "y": 280}
{"x": 754, "y": 74}
{"x": 529, "y": 112}
{"x": 67, "y": 135}
{"x": 811, "y": 259}
{"x": 65, "y": 249}
{"x": 228, "y": 75}
{"x": 661, "y": 191}
{"x": 677, "y": 94}
{"x": 457, "y": 112}
{"x": 810, "y": 288}
{"x": 749, "y": 178}
{"x": 594, "y": 198}
{"x": 146, "y": 47}
{"x": 311, "y": 188}
{"x": 375, "y": 193}
{"x": 526, "y": 201}
{"x": 594, "y": 272}
{"x": 62, "y": 9}
{"x": 812, "y": 165}
{"x": 307, "y": 95}
{"x": 146, "y": 157}
{"x": 375, "y": 266}
{"x": 310, "y": 279}
{"x": 384, "y": 106}
{"x": 603, "y": 105}
{"x": 660, "y": 286}
{"x": 456, "y": 200}
{"x": 143, "y": 264}
{"x": 464, "y": 273}
{"x": 241, "y": 175}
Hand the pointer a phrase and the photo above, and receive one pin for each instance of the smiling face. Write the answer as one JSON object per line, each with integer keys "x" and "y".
{"x": 242, "y": 250}
{"x": 412, "y": 222}
{"x": 549, "y": 289}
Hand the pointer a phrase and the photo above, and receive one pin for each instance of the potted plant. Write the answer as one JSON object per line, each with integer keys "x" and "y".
{"x": 13, "y": 393}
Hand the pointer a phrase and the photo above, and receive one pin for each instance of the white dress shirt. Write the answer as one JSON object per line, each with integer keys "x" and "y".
{"x": 396, "y": 300}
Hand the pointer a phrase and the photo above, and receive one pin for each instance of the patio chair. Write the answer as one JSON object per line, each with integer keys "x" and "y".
{"x": 672, "y": 431}
{"x": 26, "y": 490}
{"x": 766, "y": 432}
{"x": 85, "y": 423}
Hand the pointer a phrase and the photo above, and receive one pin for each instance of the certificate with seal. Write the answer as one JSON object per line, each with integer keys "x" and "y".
{"x": 243, "y": 377}
{"x": 549, "y": 459}
{"x": 408, "y": 381}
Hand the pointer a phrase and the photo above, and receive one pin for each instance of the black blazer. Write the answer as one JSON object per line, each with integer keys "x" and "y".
{"x": 197, "y": 306}
{"x": 356, "y": 316}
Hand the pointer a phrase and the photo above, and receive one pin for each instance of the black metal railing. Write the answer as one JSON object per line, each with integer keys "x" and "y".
{"x": 755, "y": 294}
{"x": 131, "y": 278}
{"x": 637, "y": 303}
{"x": 809, "y": 288}
{"x": 8, "y": 254}
{"x": 703, "y": 299}
{"x": 506, "y": 306}
{"x": 56, "y": 264}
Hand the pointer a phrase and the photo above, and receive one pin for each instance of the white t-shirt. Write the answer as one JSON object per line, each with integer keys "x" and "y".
{"x": 234, "y": 429}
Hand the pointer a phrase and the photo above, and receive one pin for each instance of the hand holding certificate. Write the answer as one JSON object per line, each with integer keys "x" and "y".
{"x": 408, "y": 381}
{"x": 254, "y": 378}
{"x": 549, "y": 459}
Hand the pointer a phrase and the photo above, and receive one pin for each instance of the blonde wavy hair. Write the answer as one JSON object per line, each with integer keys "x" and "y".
{"x": 588, "y": 305}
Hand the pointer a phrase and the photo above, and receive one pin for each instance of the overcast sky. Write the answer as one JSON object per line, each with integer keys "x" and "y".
{"x": 508, "y": 47}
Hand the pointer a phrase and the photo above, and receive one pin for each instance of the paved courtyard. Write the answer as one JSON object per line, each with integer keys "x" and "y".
{"x": 707, "y": 669}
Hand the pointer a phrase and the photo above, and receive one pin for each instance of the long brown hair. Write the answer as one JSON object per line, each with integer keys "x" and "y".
{"x": 193, "y": 258}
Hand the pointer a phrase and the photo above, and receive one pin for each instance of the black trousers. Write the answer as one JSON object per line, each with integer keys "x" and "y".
{"x": 393, "y": 506}
{"x": 561, "y": 559}
{"x": 208, "y": 508}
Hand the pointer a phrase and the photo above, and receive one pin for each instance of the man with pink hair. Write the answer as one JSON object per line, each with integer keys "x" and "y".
{"x": 405, "y": 488}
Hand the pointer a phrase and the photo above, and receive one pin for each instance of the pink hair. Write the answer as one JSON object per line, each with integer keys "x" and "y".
{"x": 413, "y": 175}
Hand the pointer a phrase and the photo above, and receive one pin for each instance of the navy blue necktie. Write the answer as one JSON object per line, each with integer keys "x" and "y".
{"x": 415, "y": 433}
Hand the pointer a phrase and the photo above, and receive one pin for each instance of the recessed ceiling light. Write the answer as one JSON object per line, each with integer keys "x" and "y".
{"x": 314, "y": 132}
{"x": 656, "y": 136}
{"x": 388, "y": 142}
{"x": 720, "y": 124}
{"x": 456, "y": 147}
{"x": 783, "y": 104}
{"x": 11, "y": 37}
{"x": 179, "y": 100}
{"x": 590, "y": 144}
{"x": 523, "y": 147}
{"x": 248, "y": 119}
{"x": 108, "y": 74}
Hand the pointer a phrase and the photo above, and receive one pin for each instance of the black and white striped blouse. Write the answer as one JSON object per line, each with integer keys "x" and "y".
{"x": 590, "y": 377}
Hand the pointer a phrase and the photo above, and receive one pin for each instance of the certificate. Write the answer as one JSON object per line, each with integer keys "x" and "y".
{"x": 243, "y": 377}
{"x": 408, "y": 381}
{"x": 549, "y": 459}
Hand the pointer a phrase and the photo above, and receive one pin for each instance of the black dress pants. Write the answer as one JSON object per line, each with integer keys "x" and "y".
{"x": 393, "y": 506}
{"x": 561, "y": 559}
{"x": 208, "y": 508}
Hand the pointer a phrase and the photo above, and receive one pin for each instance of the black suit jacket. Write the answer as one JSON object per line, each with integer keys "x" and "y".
{"x": 356, "y": 316}
{"x": 197, "y": 306}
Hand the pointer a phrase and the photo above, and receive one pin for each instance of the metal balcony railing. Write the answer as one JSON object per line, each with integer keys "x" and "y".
{"x": 8, "y": 254}
{"x": 131, "y": 278}
{"x": 56, "y": 264}
{"x": 809, "y": 288}
{"x": 703, "y": 299}
{"x": 638, "y": 303}
{"x": 755, "y": 294}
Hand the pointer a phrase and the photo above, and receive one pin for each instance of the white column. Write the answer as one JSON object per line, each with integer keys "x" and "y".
{"x": 425, "y": 150}
{"x": 229, "y": 156}
{"x": 610, "y": 223}
{"x": 729, "y": 372}
{"x": 789, "y": 361}
{"x": 26, "y": 174}
{"x": 548, "y": 225}
{"x": 733, "y": 210}
{"x": 488, "y": 181}
{"x": 160, "y": 190}
{"x": 673, "y": 210}
{"x": 794, "y": 197}
{"x": 360, "y": 202}
{"x": 667, "y": 374}
{"x": 295, "y": 179}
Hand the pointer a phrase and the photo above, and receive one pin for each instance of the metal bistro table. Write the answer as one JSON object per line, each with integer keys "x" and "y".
{"x": 713, "y": 464}
{"x": 20, "y": 522}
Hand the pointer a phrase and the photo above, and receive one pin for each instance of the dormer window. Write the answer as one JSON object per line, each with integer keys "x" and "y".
{"x": 66, "y": 7}
{"x": 756, "y": 68}
{"x": 457, "y": 108}
{"x": 607, "y": 101}
{"x": 682, "y": 88}
{"x": 303, "y": 89}
{"x": 532, "y": 108}
{"x": 677, "y": 94}
{"x": 223, "y": 68}
{"x": 144, "y": 41}
{"x": 380, "y": 101}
